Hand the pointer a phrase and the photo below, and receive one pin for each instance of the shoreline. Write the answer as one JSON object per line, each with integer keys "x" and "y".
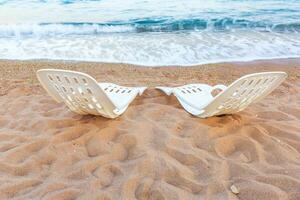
{"x": 272, "y": 59}
{"x": 26, "y": 69}
{"x": 157, "y": 65}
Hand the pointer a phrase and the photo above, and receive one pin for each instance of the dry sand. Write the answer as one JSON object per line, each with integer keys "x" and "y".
{"x": 155, "y": 150}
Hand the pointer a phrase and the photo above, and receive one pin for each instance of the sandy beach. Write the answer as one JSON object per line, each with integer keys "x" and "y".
{"x": 155, "y": 150}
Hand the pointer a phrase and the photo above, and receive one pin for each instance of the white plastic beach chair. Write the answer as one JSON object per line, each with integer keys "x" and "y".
{"x": 83, "y": 95}
{"x": 198, "y": 100}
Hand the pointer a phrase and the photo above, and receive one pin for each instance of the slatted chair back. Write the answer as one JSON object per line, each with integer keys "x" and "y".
{"x": 79, "y": 91}
{"x": 242, "y": 92}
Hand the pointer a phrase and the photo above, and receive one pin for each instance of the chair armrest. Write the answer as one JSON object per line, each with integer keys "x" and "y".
{"x": 220, "y": 87}
{"x": 167, "y": 90}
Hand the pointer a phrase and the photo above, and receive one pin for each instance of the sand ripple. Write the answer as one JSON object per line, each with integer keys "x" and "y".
{"x": 154, "y": 151}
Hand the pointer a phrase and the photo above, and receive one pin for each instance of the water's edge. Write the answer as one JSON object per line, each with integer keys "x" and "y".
{"x": 277, "y": 59}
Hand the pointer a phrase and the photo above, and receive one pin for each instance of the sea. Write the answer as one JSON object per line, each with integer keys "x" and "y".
{"x": 150, "y": 32}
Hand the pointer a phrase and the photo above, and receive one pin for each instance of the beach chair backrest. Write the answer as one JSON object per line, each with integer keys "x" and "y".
{"x": 244, "y": 91}
{"x": 79, "y": 91}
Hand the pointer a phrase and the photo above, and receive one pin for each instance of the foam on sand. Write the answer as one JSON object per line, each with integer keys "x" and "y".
{"x": 151, "y": 49}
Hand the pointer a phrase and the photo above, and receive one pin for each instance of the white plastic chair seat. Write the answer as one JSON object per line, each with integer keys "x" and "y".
{"x": 121, "y": 96}
{"x": 197, "y": 99}
{"x": 83, "y": 95}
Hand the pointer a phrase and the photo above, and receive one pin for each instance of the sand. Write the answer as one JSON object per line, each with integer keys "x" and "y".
{"x": 155, "y": 150}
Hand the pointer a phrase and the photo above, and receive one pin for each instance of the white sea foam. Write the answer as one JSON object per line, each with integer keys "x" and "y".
{"x": 156, "y": 48}
{"x": 37, "y": 30}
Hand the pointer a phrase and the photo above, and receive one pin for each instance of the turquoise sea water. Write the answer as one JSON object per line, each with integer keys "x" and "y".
{"x": 170, "y": 32}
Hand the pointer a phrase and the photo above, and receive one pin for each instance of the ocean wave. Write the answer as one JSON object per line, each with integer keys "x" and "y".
{"x": 143, "y": 25}
{"x": 156, "y": 49}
